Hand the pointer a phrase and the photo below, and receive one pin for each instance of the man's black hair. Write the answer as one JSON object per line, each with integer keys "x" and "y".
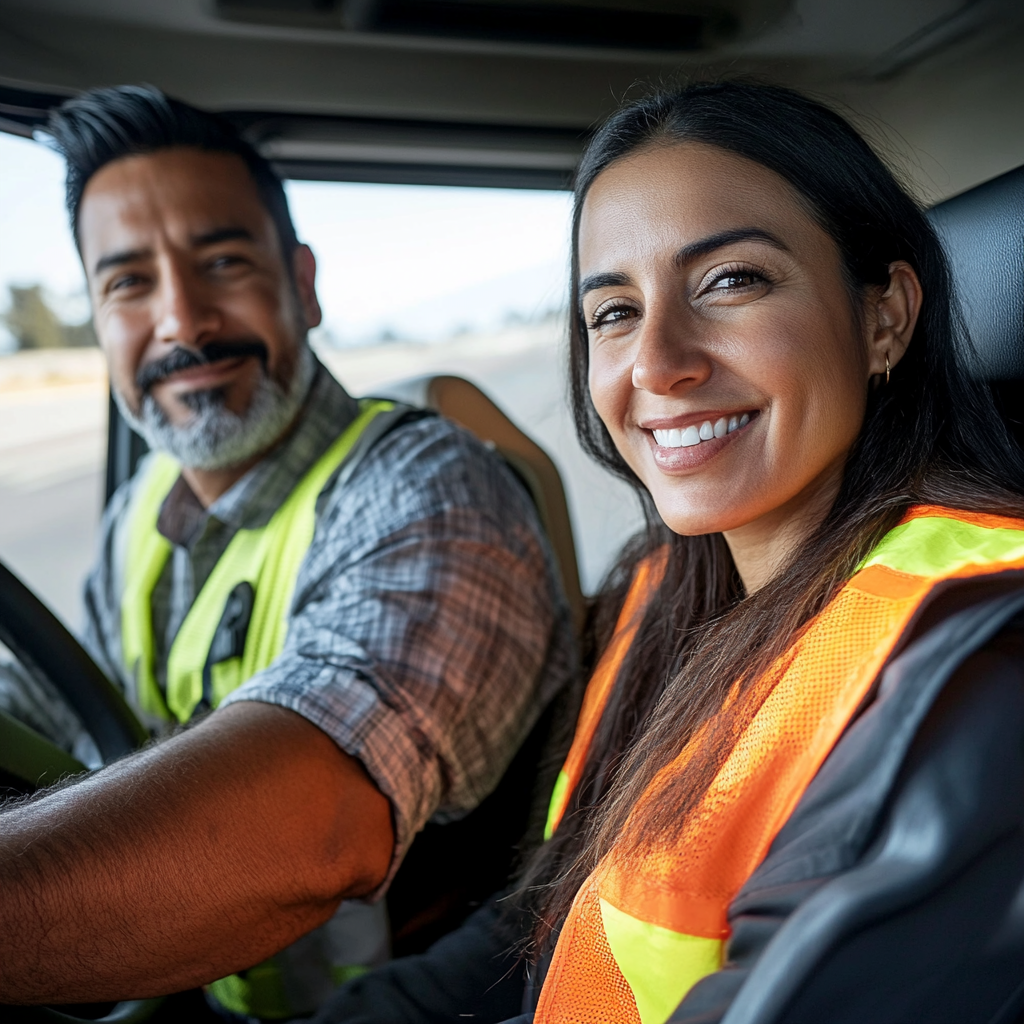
{"x": 103, "y": 125}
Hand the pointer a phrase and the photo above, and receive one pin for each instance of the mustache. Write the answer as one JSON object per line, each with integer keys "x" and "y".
{"x": 185, "y": 359}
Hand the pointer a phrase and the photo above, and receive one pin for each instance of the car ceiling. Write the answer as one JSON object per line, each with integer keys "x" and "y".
{"x": 504, "y": 92}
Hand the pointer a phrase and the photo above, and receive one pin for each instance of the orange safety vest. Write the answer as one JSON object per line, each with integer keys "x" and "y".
{"x": 638, "y": 937}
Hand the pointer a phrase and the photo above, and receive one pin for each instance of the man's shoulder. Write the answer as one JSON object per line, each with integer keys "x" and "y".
{"x": 428, "y": 464}
{"x": 426, "y": 443}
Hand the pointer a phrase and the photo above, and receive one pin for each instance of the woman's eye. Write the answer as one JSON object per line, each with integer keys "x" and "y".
{"x": 735, "y": 279}
{"x": 608, "y": 315}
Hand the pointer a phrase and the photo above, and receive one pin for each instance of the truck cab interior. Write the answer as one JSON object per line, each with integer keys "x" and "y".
{"x": 503, "y": 94}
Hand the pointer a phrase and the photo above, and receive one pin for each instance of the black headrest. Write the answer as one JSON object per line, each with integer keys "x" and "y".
{"x": 983, "y": 233}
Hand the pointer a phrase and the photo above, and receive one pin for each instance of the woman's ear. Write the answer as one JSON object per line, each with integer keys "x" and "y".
{"x": 892, "y": 317}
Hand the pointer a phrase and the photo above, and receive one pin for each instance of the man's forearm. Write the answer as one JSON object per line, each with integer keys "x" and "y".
{"x": 186, "y": 862}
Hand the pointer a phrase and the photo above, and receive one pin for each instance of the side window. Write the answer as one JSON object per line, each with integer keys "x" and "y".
{"x": 53, "y": 403}
{"x": 420, "y": 280}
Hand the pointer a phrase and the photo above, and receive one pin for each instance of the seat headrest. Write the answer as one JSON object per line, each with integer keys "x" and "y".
{"x": 983, "y": 234}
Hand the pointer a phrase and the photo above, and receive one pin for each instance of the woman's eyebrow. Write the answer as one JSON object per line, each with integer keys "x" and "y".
{"x": 611, "y": 280}
{"x": 723, "y": 238}
{"x": 690, "y": 252}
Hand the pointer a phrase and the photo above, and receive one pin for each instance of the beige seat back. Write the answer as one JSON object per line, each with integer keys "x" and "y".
{"x": 461, "y": 401}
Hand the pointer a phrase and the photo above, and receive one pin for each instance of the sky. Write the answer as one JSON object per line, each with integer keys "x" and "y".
{"x": 414, "y": 262}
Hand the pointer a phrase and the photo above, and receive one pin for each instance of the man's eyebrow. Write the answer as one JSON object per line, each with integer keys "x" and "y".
{"x": 708, "y": 245}
{"x": 116, "y": 259}
{"x": 228, "y": 234}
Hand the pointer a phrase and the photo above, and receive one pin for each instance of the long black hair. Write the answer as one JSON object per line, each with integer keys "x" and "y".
{"x": 931, "y": 435}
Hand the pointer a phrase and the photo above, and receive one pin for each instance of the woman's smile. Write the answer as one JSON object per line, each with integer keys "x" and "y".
{"x": 682, "y": 443}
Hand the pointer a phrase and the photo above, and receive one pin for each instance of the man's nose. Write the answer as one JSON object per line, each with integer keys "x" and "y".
{"x": 668, "y": 354}
{"x": 185, "y": 315}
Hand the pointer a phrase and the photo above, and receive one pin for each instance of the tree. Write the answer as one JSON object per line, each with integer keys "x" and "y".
{"x": 35, "y": 325}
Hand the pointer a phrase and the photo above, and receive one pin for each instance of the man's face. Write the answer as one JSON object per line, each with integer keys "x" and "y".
{"x": 193, "y": 302}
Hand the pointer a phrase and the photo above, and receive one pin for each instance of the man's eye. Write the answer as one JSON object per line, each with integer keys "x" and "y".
{"x": 125, "y": 281}
{"x": 226, "y": 262}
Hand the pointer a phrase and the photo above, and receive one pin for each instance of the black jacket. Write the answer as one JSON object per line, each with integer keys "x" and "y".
{"x": 894, "y": 893}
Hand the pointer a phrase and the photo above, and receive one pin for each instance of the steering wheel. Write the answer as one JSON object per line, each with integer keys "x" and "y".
{"x": 45, "y": 648}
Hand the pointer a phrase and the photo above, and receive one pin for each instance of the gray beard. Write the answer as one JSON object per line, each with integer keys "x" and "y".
{"x": 215, "y": 437}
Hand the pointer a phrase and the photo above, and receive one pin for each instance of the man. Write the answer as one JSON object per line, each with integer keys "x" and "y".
{"x": 365, "y": 599}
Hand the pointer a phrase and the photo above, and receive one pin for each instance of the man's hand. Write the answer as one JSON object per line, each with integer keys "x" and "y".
{"x": 185, "y": 862}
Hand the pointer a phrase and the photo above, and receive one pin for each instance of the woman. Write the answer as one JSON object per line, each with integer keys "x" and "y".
{"x": 796, "y": 788}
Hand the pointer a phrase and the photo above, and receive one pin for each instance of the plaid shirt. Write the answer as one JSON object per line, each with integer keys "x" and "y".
{"x": 427, "y": 629}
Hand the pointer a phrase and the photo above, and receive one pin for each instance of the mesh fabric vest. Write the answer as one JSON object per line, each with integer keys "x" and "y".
{"x": 638, "y": 937}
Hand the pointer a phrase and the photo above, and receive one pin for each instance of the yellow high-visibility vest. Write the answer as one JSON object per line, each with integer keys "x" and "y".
{"x": 235, "y": 628}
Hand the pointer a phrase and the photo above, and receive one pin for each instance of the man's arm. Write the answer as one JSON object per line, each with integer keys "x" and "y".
{"x": 183, "y": 863}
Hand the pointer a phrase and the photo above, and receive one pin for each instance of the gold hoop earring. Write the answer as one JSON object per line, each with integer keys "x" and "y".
{"x": 886, "y": 367}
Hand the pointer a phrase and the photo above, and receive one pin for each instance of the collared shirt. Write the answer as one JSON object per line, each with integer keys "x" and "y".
{"x": 427, "y": 629}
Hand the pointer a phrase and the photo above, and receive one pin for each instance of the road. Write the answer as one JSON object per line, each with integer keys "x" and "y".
{"x": 52, "y": 440}
{"x": 53, "y": 435}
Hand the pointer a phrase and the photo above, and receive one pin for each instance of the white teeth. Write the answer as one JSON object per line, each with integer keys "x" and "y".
{"x": 691, "y": 435}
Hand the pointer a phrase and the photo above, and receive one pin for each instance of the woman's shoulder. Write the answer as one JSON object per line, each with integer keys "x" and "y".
{"x": 911, "y": 836}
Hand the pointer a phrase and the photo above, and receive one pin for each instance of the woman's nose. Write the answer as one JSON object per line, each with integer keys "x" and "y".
{"x": 668, "y": 356}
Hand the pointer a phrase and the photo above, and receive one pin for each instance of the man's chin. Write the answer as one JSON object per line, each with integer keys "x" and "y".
{"x": 212, "y": 436}
{"x": 181, "y": 407}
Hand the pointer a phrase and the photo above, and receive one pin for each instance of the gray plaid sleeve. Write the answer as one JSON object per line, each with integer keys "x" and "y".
{"x": 101, "y": 632}
{"x": 428, "y": 630}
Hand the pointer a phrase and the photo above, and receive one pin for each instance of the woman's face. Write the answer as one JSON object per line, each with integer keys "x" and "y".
{"x": 726, "y": 359}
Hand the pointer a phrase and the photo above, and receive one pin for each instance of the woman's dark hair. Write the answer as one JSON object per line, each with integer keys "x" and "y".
{"x": 931, "y": 435}
{"x": 103, "y": 125}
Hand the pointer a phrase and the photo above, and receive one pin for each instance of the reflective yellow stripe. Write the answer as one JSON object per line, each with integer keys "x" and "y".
{"x": 260, "y": 992}
{"x": 146, "y": 555}
{"x": 659, "y": 965}
{"x": 937, "y": 546}
{"x": 557, "y": 803}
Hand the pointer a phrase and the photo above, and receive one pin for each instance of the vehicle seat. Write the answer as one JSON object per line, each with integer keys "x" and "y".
{"x": 462, "y": 401}
{"x": 983, "y": 234}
